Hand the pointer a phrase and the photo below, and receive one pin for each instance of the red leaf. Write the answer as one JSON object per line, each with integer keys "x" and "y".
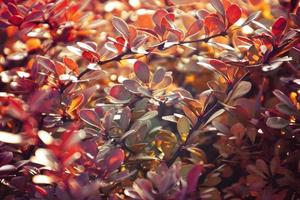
{"x": 166, "y": 22}
{"x": 141, "y": 70}
{"x": 158, "y": 16}
{"x": 214, "y": 24}
{"x": 279, "y": 27}
{"x": 34, "y": 16}
{"x": 91, "y": 56}
{"x": 233, "y": 14}
{"x": 16, "y": 20}
{"x": 40, "y": 190}
{"x": 201, "y": 14}
{"x": 119, "y": 92}
{"x": 195, "y": 28}
{"x": 192, "y": 178}
{"x": 132, "y": 34}
{"x": 178, "y": 33}
{"x": 121, "y": 26}
{"x": 114, "y": 159}
{"x": 120, "y": 44}
{"x": 219, "y": 65}
{"x": 12, "y": 9}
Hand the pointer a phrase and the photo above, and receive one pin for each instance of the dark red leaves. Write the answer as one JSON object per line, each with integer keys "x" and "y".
{"x": 141, "y": 70}
{"x": 90, "y": 117}
{"x": 279, "y": 27}
{"x": 158, "y": 16}
{"x": 233, "y": 14}
{"x": 34, "y": 16}
{"x": 12, "y": 9}
{"x": 16, "y": 20}
{"x": 100, "y": 122}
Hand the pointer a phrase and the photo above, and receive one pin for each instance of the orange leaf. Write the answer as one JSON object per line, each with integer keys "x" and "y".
{"x": 33, "y": 43}
{"x": 75, "y": 103}
{"x": 60, "y": 69}
{"x": 72, "y": 65}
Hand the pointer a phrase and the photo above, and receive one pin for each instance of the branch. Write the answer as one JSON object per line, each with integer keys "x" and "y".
{"x": 217, "y": 106}
{"x": 129, "y": 52}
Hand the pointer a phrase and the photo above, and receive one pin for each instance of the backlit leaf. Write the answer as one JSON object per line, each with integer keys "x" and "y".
{"x": 279, "y": 27}
{"x": 233, "y": 14}
{"x": 72, "y": 65}
{"x": 114, "y": 160}
{"x": 75, "y": 103}
{"x": 183, "y": 125}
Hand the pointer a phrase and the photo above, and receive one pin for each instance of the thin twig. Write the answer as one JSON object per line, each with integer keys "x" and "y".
{"x": 129, "y": 52}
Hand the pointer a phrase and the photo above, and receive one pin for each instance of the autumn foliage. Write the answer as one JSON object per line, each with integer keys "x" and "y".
{"x": 149, "y": 99}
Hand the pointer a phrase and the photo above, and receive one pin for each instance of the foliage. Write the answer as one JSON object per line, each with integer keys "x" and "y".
{"x": 155, "y": 99}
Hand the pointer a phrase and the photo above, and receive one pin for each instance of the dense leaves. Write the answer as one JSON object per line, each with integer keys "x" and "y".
{"x": 149, "y": 99}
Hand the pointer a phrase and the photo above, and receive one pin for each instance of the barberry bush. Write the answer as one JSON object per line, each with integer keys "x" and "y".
{"x": 149, "y": 99}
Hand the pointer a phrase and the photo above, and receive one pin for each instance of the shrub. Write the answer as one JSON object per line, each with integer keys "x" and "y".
{"x": 149, "y": 99}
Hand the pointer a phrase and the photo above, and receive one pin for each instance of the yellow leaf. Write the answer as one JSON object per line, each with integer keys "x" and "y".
{"x": 75, "y": 103}
{"x": 183, "y": 127}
